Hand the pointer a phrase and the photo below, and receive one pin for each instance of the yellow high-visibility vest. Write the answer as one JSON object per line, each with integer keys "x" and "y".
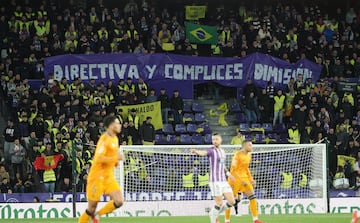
{"x": 40, "y": 30}
{"x": 100, "y": 32}
{"x": 294, "y": 136}
{"x": 303, "y": 180}
{"x": 49, "y": 176}
{"x": 188, "y": 181}
{"x": 334, "y": 26}
{"x": 287, "y": 180}
{"x": 320, "y": 28}
{"x": 295, "y": 37}
{"x": 49, "y": 124}
{"x": 128, "y": 88}
{"x": 279, "y": 102}
{"x": 307, "y": 24}
{"x": 129, "y": 32}
{"x": 203, "y": 180}
{"x": 135, "y": 119}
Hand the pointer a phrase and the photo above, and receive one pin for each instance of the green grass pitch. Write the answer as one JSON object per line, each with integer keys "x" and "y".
{"x": 309, "y": 218}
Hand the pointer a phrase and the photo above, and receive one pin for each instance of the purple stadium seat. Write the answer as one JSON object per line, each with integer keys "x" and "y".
{"x": 248, "y": 137}
{"x": 283, "y": 138}
{"x": 197, "y": 139}
{"x": 267, "y": 127}
{"x": 240, "y": 118}
{"x": 188, "y": 117}
{"x": 208, "y": 139}
{"x": 187, "y": 107}
{"x": 191, "y": 128}
{"x": 180, "y": 128}
{"x": 259, "y": 138}
{"x": 171, "y": 139}
{"x": 168, "y": 129}
{"x": 199, "y": 118}
{"x": 185, "y": 139}
{"x": 280, "y": 128}
{"x": 198, "y": 108}
{"x": 256, "y": 125}
{"x": 244, "y": 127}
{"x": 235, "y": 108}
{"x": 206, "y": 128}
{"x": 160, "y": 139}
{"x": 273, "y": 136}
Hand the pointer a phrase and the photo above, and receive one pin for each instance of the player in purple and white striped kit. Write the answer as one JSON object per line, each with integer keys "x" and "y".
{"x": 218, "y": 184}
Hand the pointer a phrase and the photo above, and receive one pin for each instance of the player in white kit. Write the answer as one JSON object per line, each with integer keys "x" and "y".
{"x": 218, "y": 184}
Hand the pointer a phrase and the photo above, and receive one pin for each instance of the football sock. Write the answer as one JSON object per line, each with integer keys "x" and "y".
{"x": 216, "y": 210}
{"x": 108, "y": 208}
{"x": 227, "y": 215}
{"x": 85, "y": 217}
{"x": 236, "y": 206}
{"x": 224, "y": 207}
{"x": 253, "y": 207}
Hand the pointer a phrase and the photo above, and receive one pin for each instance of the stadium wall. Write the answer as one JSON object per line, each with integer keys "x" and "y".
{"x": 175, "y": 208}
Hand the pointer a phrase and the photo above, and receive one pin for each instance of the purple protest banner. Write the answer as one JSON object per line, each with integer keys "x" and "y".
{"x": 180, "y": 72}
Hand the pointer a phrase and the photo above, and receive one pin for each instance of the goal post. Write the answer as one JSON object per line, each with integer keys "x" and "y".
{"x": 291, "y": 178}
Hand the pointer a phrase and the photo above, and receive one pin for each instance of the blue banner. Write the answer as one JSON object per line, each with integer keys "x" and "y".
{"x": 169, "y": 70}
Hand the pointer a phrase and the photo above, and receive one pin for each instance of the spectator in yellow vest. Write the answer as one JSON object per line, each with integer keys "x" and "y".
{"x": 279, "y": 100}
{"x": 238, "y": 139}
{"x": 294, "y": 134}
{"x": 133, "y": 117}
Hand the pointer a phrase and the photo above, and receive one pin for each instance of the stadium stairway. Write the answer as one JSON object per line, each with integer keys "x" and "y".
{"x": 227, "y": 132}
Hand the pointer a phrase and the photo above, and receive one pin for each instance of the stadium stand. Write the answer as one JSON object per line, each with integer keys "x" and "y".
{"x": 51, "y": 119}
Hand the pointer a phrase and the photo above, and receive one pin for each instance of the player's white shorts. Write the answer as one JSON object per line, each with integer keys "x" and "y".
{"x": 219, "y": 188}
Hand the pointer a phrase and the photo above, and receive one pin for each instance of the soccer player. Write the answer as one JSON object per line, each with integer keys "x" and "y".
{"x": 217, "y": 179}
{"x": 355, "y": 216}
{"x": 101, "y": 179}
{"x": 243, "y": 181}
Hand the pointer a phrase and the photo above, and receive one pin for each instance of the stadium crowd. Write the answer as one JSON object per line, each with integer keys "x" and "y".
{"x": 52, "y": 119}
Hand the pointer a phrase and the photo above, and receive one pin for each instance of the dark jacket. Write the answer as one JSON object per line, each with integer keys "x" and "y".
{"x": 11, "y": 133}
{"x": 164, "y": 100}
{"x": 177, "y": 103}
{"x": 147, "y": 132}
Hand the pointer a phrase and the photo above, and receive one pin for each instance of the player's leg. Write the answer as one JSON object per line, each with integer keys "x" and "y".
{"x": 230, "y": 201}
{"x": 117, "y": 200}
{"x": 355, "y": 216}
{"x": 226, "y": 207}
{"x": 248, "y": 189}
{"x": 116, "y": 196}
{"x": 235, "y": 187}
{"x": 237, "y": 201}
{"x": 94, "y": 190}
{"x": 215, "y": 211}
{"x": 253, "y": 205}
{"x": 89, "y": 212}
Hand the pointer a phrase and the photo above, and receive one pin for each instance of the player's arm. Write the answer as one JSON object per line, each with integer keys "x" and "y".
{"x": 199, "y": 152}
{"x": 250, "y": 175}
{"x": 234, "y": 163}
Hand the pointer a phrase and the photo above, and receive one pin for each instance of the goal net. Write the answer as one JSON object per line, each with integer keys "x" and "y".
{"x": 284, "y": 174}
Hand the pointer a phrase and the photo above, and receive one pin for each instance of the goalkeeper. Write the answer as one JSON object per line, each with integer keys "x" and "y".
{"x": 242, "y": 180}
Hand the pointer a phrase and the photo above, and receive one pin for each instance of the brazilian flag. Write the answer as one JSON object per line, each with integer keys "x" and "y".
{"x": 201, "y": 34}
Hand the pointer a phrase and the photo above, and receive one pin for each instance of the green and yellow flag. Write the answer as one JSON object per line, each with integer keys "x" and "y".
{"x": 195, "y": 12}
{"x": 201, "y": 34}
